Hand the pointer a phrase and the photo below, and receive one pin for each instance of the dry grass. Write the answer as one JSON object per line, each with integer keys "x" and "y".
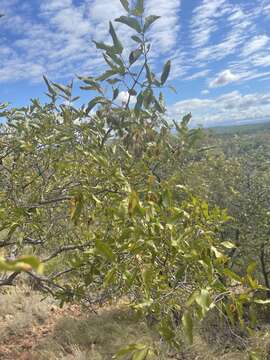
{"x": 19, "y": 309}
{"x": 81, "y": 336}
{"x": 96, "y": 336}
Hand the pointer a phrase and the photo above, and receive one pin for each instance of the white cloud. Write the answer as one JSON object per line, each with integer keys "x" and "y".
{"x": 261, "y": 60}
{"x": 124, "y": 96}
{"x": 58, "y": 37}
{"x": 165, "y": 32}
{"x": 205, "y": 92}
{"x": 223, "y": 78}
{"x": 229, "y": 23}
{"x": 198, "y": 75}
{"x": 55, "y": 5}
{"x": 204, "y": 21}
{"x": 232, "y": 34}
{"x": 232, "y": 107}
{"x": 255, "y": 44}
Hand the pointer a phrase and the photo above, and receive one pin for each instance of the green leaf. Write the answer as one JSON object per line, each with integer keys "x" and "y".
{"x": 149, "y": 20}
{"x": 76, "y": 207}
{"x": 94, "y": 102}
{"x": 107, "y": 74}
{"x": 147, "y": 97}
{"x": 105, "y": 250}
{"x": 134, "y": 56}
{"x": 128, "y": 349}
{"x": 158, "y": 106}
{"x": 93, "y": 85}
{"x": 232, "y": 275}
{"x": 147, "y": 275}
{"x": 65, "y": 89}
{"x": 139, "y": 103}
{"x": 115, "y": 58}
{"x": 149, "y": 74}
{"x": 139, "y": 9}
{"x": 136, "y": 38}
{"x": 251, "y": 268}
{"x": 109, "y": 62}
{"x": 125, "y": 4}
{"x": 255, "y": 356}
{"x": 109, "y": 277}
{"x": 50, "y": 88}
{"x": 131, "y": 22}
{"x": 193, "y": 297}
{"x": 186, "y": 119}
{"x": 165, "y": 72}
{"x": 23, "y": 263}
{"x": 188, "y": 326}
{"x": 102, "y": 46}
{"x": 140, "y": 354}
{"x": 88, "y": 87}
{"x": 203, "y": 300}
{"x": 134, "y": 202}
{"x": 113, "y": 81}
{"x": 116, "y": 42}
{"x": 115, "y": 94}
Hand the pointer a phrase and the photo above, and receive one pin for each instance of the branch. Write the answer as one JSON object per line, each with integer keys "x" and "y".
{"x": 9, "y": 281}
{"x": 64, "y": 249}
{"x": 46, "y": 202}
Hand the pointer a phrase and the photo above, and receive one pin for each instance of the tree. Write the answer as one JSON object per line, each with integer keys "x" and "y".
{"x": 95, "y": 193}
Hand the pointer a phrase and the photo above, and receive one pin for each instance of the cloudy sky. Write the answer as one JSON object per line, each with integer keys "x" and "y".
{"x": 220, "y": 51}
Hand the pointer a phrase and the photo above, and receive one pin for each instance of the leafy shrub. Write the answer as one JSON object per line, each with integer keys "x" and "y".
{"x": 97, "y": 192}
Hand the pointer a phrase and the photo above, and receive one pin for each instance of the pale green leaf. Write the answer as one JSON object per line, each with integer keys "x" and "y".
{"x": 188, "y": 326}
{"x": 116, "y": 42}
{"x": 139, "y": 9}
{"x": 125, "y": 4}
{"x": 131, "y": 22}
{"x": 149, "y": 20}
{"x": 140, "y": 354}
{"x": 228, "y": 245}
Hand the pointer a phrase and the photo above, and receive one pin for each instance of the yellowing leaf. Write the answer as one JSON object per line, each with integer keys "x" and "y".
{"x": 76, "y": 206}
{"x": 188, "y": 326}
{"x": 203, "y": 300}
{"x": 228, "y": 245}
{"x": 140, "y": 354}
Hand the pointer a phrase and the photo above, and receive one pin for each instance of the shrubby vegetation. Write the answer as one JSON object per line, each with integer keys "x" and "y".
{"x": 118, "y": 201}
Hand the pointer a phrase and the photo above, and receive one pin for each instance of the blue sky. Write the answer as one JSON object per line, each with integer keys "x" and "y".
{"x": 220, "y": 51}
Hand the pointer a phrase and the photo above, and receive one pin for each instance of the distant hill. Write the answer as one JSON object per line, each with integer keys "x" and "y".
{"x": 240, "y": 129}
